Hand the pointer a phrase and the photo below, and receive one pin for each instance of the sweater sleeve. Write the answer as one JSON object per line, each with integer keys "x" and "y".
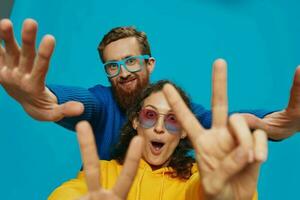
{"x": 92, "y": 106}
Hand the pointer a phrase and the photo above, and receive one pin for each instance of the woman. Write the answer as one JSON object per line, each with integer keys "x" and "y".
{"x": 228, "y": 161}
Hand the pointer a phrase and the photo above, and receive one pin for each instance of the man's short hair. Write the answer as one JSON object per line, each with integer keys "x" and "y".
{"x": 124, "y": 32}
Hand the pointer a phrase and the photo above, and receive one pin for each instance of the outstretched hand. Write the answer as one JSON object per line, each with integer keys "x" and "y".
{"x": 23, "y": 72}
{"x": 282, "y": 124}
{"x": 228, "y": 155}
{"x": 91, "y": 166}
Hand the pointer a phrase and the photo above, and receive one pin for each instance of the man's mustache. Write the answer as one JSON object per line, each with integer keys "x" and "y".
{"x": 127, "y": 79}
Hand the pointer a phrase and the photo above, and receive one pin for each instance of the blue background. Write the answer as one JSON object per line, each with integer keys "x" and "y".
{"x": 258, "y": 38}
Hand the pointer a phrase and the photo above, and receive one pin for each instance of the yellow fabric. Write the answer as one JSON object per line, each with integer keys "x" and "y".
{"x": 148, "y": 184}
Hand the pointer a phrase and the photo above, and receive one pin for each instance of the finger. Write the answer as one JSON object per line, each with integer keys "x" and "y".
{"x": 254, "y": 122}
{"x": 2, "y": 52}
{"x": 130, "y": 167}
{"x": 184, "y": 115}
{"x": 230, "y": 166}
{"x": 72, "y": 109}
{"x": 28, "y": 45}
{"x": 260, "y": 145}
{"x": 89, "y": 155}
{"x": 11, "y": 45}
{"x": 41, "y": 64}
{"x": 86, "y": 197}
{"x": 294, "y": 102}
{"x": 2, "y": 61}
{"x": 98, "y": 195}
{"x": 2, "y": 58}
{"x": 219, "y": 94}
{"x": 68, "y": 109}
{"x": 242, "y": 134}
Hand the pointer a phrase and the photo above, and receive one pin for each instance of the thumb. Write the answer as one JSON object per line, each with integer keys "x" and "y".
{"x": 254, "y": 122}
{"x": 68, "y": 109}
{"x": 294, "y": 101}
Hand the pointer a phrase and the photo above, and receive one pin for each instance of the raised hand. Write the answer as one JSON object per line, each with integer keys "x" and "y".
{"x": 23, "y": 72}
{"x": 91, "y": 166}
{"x": 284, "y": 123}
{"x": 228, "y": 155}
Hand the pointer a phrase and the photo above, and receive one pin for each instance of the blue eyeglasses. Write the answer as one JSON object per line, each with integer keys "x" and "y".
{"x": 131, "y": 64}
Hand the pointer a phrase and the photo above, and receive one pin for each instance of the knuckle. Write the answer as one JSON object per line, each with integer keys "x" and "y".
{"x": 5, "y": 75}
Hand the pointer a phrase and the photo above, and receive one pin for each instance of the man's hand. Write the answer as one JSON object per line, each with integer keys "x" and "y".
{"x": 228, "y": 156}
{"x": 282, "y": 124}
{"x": 23, "y": 72}
{"x": 91, "y": 166}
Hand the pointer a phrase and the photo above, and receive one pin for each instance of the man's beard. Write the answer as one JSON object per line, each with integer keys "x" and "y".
{"x": 125, "y": 99}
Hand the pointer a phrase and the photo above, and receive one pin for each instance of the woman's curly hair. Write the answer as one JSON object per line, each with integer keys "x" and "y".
{"x": 180, "y": 161}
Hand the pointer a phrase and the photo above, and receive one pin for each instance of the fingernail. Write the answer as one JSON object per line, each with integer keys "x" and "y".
{"x": 260, "y": 156}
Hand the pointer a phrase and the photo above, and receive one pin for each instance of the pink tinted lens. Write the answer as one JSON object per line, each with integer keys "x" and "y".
{"x": 148, "y": 118}
{"x": 171, "y": 123}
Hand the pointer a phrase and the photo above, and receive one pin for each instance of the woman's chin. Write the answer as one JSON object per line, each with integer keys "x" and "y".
{"x": 157, "y": 163}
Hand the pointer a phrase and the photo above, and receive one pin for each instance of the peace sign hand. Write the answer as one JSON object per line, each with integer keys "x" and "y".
{"x": 91, "y": 166}
{"x": 228, "y": 155}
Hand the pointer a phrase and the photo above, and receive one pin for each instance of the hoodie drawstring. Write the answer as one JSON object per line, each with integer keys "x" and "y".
{"x": 162, "y": 186}
{"x": 138, "y": 191}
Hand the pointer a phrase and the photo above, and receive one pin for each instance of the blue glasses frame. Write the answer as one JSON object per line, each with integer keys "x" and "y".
{"x": 123, "y": 63}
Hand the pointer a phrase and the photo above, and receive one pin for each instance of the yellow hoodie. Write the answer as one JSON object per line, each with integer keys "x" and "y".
{"x": 148, "y": 184}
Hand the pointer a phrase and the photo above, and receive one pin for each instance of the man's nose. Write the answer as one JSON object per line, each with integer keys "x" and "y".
{"x": 124, "y": 73}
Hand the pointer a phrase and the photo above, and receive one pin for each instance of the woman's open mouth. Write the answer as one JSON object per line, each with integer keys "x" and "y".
{"x": 156, "y": 147}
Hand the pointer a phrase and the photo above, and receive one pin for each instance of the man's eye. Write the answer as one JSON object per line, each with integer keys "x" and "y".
{"x": 113, "y": 66}
{"x": 131, "y": 61}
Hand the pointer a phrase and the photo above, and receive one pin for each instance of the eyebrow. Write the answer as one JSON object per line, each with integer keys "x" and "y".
{"x": 120, "y": 59}
{"x": 168, "y": 112}
{"x": 151, "y": 106}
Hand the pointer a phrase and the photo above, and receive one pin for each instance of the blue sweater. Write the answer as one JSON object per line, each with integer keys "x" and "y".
{"x": 105, "y": 116}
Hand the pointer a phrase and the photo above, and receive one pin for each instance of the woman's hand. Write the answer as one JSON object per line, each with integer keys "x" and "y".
{"x": 228, "y": 155}
{"x": 92, "y": 168}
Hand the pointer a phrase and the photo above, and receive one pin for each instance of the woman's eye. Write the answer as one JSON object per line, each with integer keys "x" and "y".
{"x": 172, "y": 118}
{"x": 150, "y": 114}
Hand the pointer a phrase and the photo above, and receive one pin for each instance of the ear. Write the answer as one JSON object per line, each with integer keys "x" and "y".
{"x": 135, "y": 123}
{"x": 150, "y": 65}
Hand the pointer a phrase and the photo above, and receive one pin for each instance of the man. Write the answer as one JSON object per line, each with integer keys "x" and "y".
{"x": 23, "y": 72}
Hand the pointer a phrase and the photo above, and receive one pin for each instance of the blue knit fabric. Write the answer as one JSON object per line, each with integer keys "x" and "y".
{"x": 105, "y": 116}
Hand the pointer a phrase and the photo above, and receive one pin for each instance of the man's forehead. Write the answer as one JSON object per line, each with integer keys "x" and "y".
{"x": 121, "y": 49}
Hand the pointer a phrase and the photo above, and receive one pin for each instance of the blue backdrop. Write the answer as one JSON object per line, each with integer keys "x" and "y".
{"x": 258, "y": 38}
